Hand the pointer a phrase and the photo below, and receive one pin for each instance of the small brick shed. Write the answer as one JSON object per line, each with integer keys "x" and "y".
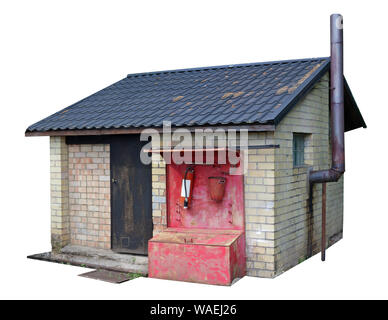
{"x": 284, "y": 105}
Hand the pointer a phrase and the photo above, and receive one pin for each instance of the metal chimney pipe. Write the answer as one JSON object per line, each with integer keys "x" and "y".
{"x": 337, "y": 92}
{"x": 336, "y": 124}
{"x": 336, "y": 106}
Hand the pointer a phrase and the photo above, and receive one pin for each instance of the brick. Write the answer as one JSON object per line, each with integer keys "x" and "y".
{"x": 97, "y": 148}
{"x": 159, "y": 199}
{"x": 157, "y": 171}
{"x": 92, "y": 154}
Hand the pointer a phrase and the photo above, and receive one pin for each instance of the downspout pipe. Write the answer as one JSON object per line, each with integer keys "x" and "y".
{"x": 337, "y": 124}
{"x": 336, "y": 106}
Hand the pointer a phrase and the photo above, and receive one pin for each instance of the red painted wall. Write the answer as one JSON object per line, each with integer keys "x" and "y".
{"x": 204, "y": 212}
{"x": 204, "y": 243}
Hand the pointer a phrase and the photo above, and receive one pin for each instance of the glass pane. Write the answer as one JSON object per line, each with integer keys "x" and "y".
{"x": 298, "y": 149}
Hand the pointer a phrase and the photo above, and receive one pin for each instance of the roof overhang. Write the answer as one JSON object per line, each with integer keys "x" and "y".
{"x": 353, "y": 116}
{"x": 98, "y": 132}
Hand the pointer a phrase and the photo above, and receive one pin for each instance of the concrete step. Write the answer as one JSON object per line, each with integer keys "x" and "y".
{"x": 101, "y": 259}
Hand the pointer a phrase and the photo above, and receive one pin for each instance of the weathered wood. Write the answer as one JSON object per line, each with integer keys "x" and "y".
{"x": 131, "y": 196}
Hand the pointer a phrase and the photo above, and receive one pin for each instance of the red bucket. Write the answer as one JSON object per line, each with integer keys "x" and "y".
{"x": 217, "y": 188}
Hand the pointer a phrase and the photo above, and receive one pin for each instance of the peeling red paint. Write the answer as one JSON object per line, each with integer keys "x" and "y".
{"x": 206, "y": 242}
{"x": 204, "y": 212}
{"x": 209, "y": 258}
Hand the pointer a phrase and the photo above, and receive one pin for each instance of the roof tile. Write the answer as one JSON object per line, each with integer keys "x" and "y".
{"x": 250, "y": 93}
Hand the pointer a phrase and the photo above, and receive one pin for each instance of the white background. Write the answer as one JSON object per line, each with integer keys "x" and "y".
{"x": 53, "y": 55}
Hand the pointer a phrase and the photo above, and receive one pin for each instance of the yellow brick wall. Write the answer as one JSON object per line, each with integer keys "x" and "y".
{"x": 59, "y": 193}
{"x": 259, "y": 193}
{"x": 159, "y": 210}
{"x": 89, "y": 195}
{"x": 294, "y": 228}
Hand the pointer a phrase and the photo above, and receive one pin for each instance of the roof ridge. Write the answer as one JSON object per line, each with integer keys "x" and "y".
{"x": 230, "y": 66}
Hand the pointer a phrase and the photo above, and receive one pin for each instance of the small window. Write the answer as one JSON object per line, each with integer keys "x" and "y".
{"x": 298, "y": 149}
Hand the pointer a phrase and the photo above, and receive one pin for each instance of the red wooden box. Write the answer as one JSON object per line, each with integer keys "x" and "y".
{"x": 197, "y": 255}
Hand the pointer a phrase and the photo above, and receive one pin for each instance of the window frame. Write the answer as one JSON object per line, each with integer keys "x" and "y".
{"x": 298, "y": 149}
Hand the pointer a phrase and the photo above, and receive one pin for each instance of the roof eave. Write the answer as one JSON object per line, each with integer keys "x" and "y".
{"x": 302, "y": 90}
{"x": 93, "y": 132}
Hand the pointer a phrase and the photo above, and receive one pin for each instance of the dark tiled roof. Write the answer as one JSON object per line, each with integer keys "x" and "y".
{"x": 255, "y": 93}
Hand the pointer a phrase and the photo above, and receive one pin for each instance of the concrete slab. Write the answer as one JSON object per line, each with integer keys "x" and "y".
{"x": 109, "y": 276}
{"x": 96, "y": 259}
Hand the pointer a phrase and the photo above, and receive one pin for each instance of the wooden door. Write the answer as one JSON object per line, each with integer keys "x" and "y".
{"x": 131, "y": 196}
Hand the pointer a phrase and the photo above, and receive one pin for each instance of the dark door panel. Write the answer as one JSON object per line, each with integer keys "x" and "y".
{"x": 131, "y": 196}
